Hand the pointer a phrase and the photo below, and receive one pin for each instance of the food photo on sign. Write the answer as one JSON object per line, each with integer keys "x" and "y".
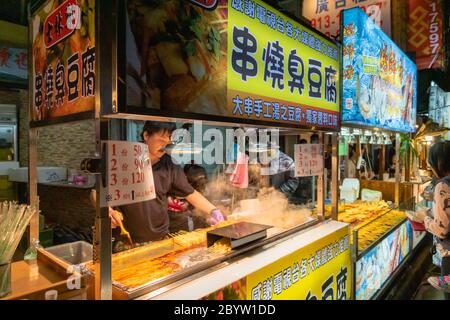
{"x": 379, "y": 80}
{"x": 238, "y": 59}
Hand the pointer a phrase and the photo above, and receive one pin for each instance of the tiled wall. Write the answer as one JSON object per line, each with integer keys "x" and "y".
{"x": 60, "y": 145}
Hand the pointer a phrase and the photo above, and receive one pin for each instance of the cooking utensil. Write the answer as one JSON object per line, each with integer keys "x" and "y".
{"x": 124, "y": 233}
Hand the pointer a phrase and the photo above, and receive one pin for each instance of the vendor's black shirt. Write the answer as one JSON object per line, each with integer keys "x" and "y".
{"x": 149, "y": 220}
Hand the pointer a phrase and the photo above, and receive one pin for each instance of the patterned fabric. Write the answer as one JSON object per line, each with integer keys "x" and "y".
{"x": 177, "y": 205}
{"x": 440, "y": 283}
{"x": 439, "y": 225}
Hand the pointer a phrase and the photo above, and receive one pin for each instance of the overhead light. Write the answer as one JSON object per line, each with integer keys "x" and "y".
{"x": 345, "y": 132}
{"x": 352, "y": 139}
{"x": 363, "y": 139}
{"x": 356, "y": 132}
{"x": 372, "y": 140}
{"x": 429, "y": 138}
{"x": 380, "y": 139}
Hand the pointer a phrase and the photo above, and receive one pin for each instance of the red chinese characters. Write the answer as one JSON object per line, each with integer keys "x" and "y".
{"x": 62, "y": 22}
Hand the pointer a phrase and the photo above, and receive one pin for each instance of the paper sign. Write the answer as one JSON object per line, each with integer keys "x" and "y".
{"x": 129, "y": 174}
{"x": 308, "y": 160}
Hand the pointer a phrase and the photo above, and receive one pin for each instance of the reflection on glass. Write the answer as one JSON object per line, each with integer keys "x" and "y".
{"x": 6, "y": 143}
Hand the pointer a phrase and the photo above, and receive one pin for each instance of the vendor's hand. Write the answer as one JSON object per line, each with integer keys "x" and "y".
{"x": 421, "y": 214}
{"x": 215, "y": 217}
{"x": 116, "y": 217}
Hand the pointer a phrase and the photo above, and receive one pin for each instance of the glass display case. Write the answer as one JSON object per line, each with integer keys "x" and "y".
{"x": 257, "y": 184}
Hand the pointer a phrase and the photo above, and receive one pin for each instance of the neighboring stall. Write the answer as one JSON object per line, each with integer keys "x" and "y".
{"x": 238, "y": 67}
{"x": 378, "y": 102}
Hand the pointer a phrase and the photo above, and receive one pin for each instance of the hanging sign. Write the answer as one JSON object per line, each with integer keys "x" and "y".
{"x": 308, "y": 160}
{"x": 129, "y": 176}
{"x": 63, "y": 59}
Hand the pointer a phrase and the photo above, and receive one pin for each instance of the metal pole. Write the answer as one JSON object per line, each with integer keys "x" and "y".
{"x": 397, "y": 169}
{"x": 320, "y": 184}
{"x": 33, "y": 198}
{"x": 105, "y": 32}
{"x": 334, "y": 176}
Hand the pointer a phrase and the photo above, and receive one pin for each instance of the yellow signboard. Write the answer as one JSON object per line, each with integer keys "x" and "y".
{"x": 279, "y": 70}
{"x": 319, "y": 271}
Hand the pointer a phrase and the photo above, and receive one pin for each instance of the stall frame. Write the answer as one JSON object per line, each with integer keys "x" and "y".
{"x": 109, "y": 95}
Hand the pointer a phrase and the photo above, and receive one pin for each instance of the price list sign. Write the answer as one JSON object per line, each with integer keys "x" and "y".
{"x": 308, "y": 160}
{"x": 129, "y": 174}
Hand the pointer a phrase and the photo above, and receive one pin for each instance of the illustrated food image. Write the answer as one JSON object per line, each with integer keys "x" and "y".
{"x": 182, "y": 52}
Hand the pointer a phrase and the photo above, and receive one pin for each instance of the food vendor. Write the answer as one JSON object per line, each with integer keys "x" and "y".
{"x": 281, "y": 169}
{"x": 149, "y": 220}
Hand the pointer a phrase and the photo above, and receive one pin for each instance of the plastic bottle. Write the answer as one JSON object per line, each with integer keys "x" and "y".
{"x": 31, "y": 253}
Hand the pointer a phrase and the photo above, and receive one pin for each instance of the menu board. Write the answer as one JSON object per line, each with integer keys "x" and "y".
{"x": 63, "y": 59}
{"x": 239, "y": 60}
{"x": 379, "y": 80}
{"x": 129, "y": 174}
{"x": 308, "y": 160}
{"x": 325, "y": 15}
{"x": 375, "y": 267}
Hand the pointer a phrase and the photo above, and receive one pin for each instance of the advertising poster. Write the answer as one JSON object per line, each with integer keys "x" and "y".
{"x": 426, "y": 33}
{"x": 380, "y": 81}
{"x": 235, "y": 59}
{"x": 63, "y": 59}
{"x": 375, "y": 267}
{"x": 319, "y": 271}
{"x": 325, "y": 15}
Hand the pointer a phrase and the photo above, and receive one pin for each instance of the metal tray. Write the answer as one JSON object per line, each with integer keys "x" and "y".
{"x": 156, "y": 287}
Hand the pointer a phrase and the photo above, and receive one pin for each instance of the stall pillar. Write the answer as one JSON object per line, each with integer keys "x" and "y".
{"x": 397, "y": 169}
{"x": 321, "y": 184}
{"x": 33, "y": 198}
{"x": 334, "y": 176}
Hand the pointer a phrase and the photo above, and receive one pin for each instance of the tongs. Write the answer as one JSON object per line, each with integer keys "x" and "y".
{"x": 124, "y": 232}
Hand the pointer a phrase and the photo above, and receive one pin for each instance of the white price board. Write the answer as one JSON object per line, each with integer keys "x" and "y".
{"x": 129, "y": 176}
{"x": 308, "y": 160}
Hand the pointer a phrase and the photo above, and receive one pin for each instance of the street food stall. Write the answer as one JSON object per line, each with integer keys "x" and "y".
{"x": 378, "y": 103}
{"x": 239, "y": 79}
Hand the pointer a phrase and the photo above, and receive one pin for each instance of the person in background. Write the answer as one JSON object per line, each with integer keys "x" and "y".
{"x": 149, "y": 220}
{"x": 352, "y": 161}
{"x": 437, "y": 222}
{"x": 281, "y": 171}
{"x": 391, "y": 165}
{"x": 180, "y": 211}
